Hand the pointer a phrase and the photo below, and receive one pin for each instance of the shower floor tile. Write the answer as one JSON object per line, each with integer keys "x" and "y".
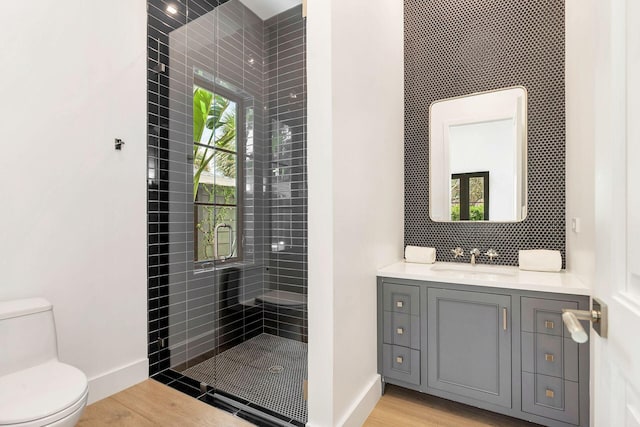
{"x": 266, "y": 370}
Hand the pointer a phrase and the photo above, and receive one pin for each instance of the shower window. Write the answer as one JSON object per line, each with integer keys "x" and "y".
{"x": 216, "y": 175}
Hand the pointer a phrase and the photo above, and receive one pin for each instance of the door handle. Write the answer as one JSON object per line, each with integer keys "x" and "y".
{"x": 216, "y": 255}
{"x": 597, "y": 316}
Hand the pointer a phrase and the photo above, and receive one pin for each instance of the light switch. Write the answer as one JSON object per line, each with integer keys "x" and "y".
{"x": 575, "y": 225}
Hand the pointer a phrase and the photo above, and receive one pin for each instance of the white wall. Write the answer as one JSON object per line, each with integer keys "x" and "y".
{"x": 580, "y": 25}
{"x": 72, "y": 223}
{"x": 580, "y": 143}
{"x": 355, "y": 166}
{"x": 320, "y": 213}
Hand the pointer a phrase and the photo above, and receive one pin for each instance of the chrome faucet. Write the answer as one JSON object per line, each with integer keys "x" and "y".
{"x": 474, "y": 253}
{"x": 491, "y": 253}
{"x": 457, "y": 252}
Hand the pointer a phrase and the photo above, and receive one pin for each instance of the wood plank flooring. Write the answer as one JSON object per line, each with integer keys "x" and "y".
{"x": 151, "y": 403}
{"x": 407, "y": 408}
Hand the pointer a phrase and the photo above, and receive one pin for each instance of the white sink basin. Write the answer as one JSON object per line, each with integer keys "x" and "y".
{"x": 474, "y": 270}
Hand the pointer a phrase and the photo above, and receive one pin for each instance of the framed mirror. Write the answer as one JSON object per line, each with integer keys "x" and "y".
{"x": 478, "y": 157}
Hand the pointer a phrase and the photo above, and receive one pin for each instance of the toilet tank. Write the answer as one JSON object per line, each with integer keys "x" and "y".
{"x": 27, "y": 334}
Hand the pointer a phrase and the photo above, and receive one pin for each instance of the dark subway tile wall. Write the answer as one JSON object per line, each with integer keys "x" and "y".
{"x": 192, "y": 313}
{"x": 458, "y": 47}
{"x": 286, "y": 198}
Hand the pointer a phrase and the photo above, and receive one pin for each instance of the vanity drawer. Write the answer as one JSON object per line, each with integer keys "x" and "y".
{"x": 401, "y": 329}
{"x": 544, "y": 316}
{"x": 401, "y": 363}
{"x": 550, "y": 397}
{"x": 550, "y": 355}
{"x": 401, "y": 298}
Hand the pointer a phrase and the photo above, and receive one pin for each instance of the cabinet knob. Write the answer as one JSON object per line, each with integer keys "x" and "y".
{"x": 400, "y": 331}
{"x": 548, "y": 324}
{"x": 399, "y": 304}
{"x": 549, "y": 393}
{"x": 399, "y": 359}
{"x": 549, "y": 357}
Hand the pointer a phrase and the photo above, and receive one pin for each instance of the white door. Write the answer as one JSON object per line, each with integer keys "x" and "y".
{"x": 616, "y": 360}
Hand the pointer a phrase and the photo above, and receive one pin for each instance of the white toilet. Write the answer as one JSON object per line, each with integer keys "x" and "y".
{"x": 35, "y": 388}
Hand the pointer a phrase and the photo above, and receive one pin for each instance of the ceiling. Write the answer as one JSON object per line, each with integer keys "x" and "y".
{"x": 265, "y": 9}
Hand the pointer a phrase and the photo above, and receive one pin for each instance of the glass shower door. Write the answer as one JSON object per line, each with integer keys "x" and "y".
{"x": 240, "y": 187}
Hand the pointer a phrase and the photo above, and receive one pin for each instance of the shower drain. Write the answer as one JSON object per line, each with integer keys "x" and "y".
{"x": 276, "y": 369}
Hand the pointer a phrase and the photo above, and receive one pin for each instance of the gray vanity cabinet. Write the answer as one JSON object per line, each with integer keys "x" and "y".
{"x": 400, "y": 359}
{"x": 500, "y": 349}
{"x": 469, "y": 344}
{"x": 552, "y": 371}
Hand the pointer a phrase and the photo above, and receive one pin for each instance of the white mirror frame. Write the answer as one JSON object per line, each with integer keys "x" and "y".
{"x": 513, "y": 107}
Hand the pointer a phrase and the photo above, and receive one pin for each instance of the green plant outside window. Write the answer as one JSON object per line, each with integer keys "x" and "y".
{"x": 215, "y": 176}
{"x": 469, "y": 196}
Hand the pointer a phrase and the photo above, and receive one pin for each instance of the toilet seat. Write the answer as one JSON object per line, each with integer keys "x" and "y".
{"x": 42, "y": 394}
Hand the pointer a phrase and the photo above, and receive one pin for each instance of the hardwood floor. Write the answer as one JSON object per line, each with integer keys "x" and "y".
{"x": 407, "y": 408}
{"x": 151, "y": 403}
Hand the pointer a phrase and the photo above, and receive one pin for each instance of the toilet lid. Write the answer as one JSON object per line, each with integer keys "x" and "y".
{"x": 40, "y": 391}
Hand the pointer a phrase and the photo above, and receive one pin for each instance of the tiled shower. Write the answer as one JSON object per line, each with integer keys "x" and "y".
{"x": 229, "y": 329}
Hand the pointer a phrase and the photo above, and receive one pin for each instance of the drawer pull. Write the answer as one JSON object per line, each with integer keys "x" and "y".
{"x": 548, "y": 324}
{"x": 549, "y": 357}
{"x": 399, "y": 359}
{"x": 400, "y": 331}
{"x": 399, "y": 304}
{"x": 549, "y": 393}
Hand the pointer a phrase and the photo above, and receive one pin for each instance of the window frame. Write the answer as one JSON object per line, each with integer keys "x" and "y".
{"x": 240, "y": 182}
{"x": 465, "y": 208}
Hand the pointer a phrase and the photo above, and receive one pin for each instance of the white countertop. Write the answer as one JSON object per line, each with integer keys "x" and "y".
{"x": 488, "y": 276}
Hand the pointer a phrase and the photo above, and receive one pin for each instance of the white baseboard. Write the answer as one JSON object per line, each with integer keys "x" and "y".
{"x": 108, "y": 383}
{"x": 361, "y": 408}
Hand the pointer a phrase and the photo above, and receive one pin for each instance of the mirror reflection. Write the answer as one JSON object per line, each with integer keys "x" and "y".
{"x": 477, "y": 157}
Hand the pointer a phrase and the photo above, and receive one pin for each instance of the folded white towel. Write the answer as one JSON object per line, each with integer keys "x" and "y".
{"x": 540, "y": 260}
{"x": 420, "y": 255}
